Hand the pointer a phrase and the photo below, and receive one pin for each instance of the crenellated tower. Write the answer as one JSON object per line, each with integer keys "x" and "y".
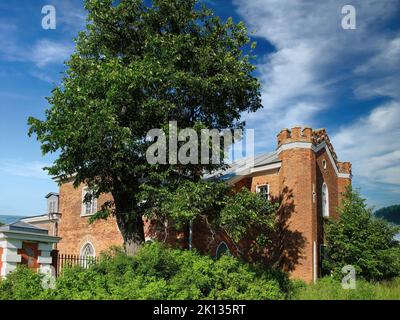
{"x": 311, "y": 181}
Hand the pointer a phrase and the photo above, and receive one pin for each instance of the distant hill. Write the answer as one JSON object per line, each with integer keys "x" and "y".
{"x": 391, "y": 214}
{"x": 5, "y": 219}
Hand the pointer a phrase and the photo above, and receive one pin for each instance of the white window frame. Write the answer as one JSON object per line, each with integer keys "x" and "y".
{"x": 87, "y": 243}
{"x": 325, "y": 200}
{"x": 52, "y": 206}
{"x": 93, "y": 204}
{"x": 258, "y": 189}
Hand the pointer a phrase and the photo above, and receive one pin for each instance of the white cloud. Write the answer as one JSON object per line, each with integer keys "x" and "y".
{"x": 313, "y": 56}
{"x": 43, "y": 52}
{"x": 47, "y": 52}
{"x": 71, "y": 15}
{"x": 304, "y": 77}
{"x": 19, "y": 168}
{"x": 372, "y": 145}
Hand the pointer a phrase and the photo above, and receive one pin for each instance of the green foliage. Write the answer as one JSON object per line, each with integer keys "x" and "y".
{"x": 22, "y": 284}
{"x": 391, "y": 214}
{"x": 185, "y": 200}
{"x": 360, "y": 240}
{"x": 245, "y": 210}
{"x": 137, "y": 66}
{"x": 329, "y": 288}
{"x": 156, "y": 272}
{"x": 236, "y": 213}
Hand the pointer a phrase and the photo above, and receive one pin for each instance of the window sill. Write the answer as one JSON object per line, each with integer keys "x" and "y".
{"x": 87, "y": 215}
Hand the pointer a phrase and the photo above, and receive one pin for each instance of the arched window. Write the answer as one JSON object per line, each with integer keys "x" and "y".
{"x": 222, "y": 249}
{"x": 325, "y": 201}
{"x": 88, "y": 255}
{"x": 87, "y": 250}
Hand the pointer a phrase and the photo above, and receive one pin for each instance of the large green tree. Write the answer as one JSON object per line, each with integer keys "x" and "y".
{"x": 137, "y": 66}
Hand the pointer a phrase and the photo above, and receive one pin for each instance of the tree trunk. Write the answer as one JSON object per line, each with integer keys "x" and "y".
{"x": 132, "y": 232}
{"x": 130, "y": 223}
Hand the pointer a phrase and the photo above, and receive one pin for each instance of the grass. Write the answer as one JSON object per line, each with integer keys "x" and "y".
{"x": 330, "y": 289}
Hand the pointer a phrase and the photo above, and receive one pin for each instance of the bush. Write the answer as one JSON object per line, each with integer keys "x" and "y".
{"x": 357, "y": 238}
{"x": 156, "y": 272}
{"x": 22, "y": 284}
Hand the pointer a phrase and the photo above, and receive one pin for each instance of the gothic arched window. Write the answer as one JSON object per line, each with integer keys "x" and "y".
{"x": 87, "y": 250}
{"x": 88, "y": 255}
{"x": 222, "y": 249}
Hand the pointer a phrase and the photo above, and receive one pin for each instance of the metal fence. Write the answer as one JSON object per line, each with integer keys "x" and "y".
{"x": 72, "y": 260}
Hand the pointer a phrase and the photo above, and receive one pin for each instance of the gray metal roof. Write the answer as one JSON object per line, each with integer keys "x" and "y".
{"x": 242, "y": 164}
{"x": 23, "y": 227}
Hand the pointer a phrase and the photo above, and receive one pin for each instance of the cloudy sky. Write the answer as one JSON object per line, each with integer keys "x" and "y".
{"x": 313, "y": 73}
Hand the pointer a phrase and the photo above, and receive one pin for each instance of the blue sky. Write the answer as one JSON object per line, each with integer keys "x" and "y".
{"x": 313, "y": 73}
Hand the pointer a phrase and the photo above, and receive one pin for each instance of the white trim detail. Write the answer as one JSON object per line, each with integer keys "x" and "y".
{"x": 267, "y": 167}
{"x": 309, "y": 145}
{"x": 43, "y": 218}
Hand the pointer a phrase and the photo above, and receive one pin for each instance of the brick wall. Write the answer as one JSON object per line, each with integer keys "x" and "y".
{"x": 76, "y": 231}
{"x": 297, "y": 176}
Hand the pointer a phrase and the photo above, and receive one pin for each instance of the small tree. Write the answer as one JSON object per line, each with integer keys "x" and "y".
{"x": 357, "y": 238}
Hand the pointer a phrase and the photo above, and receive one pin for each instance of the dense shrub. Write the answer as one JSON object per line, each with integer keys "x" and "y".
{"x": 155, "y": 272}
{"x": 359, "y": 239}
{"x": 21, "y": 284}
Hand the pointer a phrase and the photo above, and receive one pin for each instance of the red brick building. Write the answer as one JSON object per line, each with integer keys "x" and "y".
{"x": 303, "y": 173}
